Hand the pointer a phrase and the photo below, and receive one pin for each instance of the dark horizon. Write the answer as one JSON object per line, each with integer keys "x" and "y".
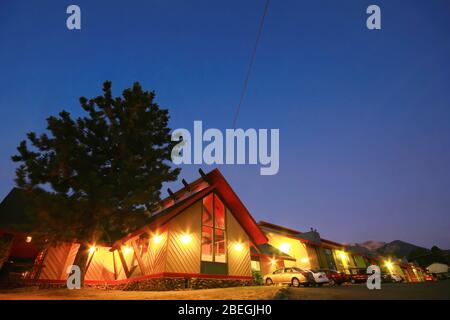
{"x": 363, "y": 115}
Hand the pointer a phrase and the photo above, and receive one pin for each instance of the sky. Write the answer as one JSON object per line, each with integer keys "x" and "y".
{"x": 364, "y": 115}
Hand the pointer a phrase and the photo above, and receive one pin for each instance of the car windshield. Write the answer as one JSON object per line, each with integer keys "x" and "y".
{"x": 296, "y": 270}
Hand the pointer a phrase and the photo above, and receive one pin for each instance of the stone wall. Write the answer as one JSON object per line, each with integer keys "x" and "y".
{"x": 162, "y": 284}
{"x": 166, "y": 284}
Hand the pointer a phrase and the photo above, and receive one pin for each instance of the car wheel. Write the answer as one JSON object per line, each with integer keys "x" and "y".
{"x": 295, "y": 282}
{"x": 353, "y": 281}
{"x": 332, "y": 283}
{"x": 269, "y": 282}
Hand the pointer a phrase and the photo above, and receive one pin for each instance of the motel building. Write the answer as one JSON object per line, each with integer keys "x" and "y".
{"x": 202, "y": 236}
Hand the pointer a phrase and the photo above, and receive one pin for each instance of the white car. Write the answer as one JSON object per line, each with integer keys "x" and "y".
{"x": 397, "y": 278}
{"x": 293, "y": 276}
{"x": 319, "y": 277}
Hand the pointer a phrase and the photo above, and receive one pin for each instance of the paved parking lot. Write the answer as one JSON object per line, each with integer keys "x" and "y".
{"x": 401, "y": 291}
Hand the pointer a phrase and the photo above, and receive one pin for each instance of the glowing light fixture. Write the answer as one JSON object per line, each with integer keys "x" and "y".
{"x": 92, "y": 249}
{"x": 127, "y": 250}
{"x": 186, "y": 238}
{"x": 304, "y": 260}
{"x": 157, "y": 239}
{"x": 238, "y": 246}
{"x": 273, "y": 261}
{"x": 389, "y": 265}
{"x": 285, "y": 247}
{"x": 343, "y": 256}
{"x": 28, "y": 239}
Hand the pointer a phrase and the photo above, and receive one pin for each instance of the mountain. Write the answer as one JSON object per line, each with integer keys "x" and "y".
{"x": 371, "y": 245}
{"x": 400, "y": 249}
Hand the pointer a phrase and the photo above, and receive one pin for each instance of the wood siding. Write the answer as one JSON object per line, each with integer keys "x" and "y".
{"x": 238, "y": 258}
{"x": 185, "y": 257}
{"x": 57, "y": 260}
{"x": 155, "y": 258}
{"x": 101, "y": 266}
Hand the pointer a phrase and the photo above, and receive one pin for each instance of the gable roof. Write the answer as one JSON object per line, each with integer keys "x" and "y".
{"x": 13, "y": 214}
{"x": 310, "y": 237}
{"x": 187, "y": 196}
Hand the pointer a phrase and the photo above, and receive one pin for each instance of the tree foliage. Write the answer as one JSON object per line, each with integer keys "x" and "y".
{"x": 99, "y": 174}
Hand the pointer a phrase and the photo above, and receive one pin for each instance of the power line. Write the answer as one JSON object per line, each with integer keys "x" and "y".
{"x": 252, "y": 59}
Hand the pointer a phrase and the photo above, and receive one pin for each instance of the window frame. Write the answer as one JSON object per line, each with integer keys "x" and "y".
{"x": 213, "y": 227}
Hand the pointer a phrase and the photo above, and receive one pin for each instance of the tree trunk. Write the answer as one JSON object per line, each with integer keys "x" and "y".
{"x": 81, "y": 260}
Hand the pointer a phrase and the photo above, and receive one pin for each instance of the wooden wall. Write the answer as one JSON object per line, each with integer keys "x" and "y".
{"x": 185, "y": 257}
{"x": 101, "y": 266}
{"x": 238, "y": 257}
{"x": 57, "y": 260}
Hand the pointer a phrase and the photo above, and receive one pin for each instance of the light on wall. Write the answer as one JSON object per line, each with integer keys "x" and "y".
{"x": 28, "y": 239}
{"x": 343, "y": 256}
{"x": 304, "y": 260}
{"x": 238, "y": 246}
{"x": 186, "y": 238}
{"x": 92, "y": 249}
{"x": 157, "y": 238}
{"x": 285, "y": 247}
{"x": 389, "y": 265}
{"x": 127, "y": 250}
{"x": 273, "y": 261}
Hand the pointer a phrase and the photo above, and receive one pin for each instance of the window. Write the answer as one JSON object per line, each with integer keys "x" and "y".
{"x": 213, "y": 229}
{"x": 278, "y": 271}
{"x": 256, "y": 266}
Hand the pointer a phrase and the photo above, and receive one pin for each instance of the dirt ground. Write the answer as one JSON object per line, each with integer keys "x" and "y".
{"x": 241, "y": 293}
{"x": 409, "y": 291}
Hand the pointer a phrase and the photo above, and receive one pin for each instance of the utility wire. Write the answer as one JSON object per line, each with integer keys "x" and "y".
{"x": 252, "y": 59}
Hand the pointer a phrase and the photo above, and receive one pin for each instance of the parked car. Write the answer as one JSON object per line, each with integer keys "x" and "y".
{"x": 335, "y": 277}
{"x": 358, "y": 276}
{"x": 391, "y": 278}
{"x": 429, "y": 277}
{"x": 294, "y": 276}
{"x": 318, "y": 277}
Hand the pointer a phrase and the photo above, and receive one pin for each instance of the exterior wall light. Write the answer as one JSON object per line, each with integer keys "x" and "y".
{"x": 285, "y": 247}
{"x": 28, "y": 239}
{"x": 157, "y": 239}
{"x": 92, "y": 249}
{"x": 186, "y": 238}
{"x": 127, "y": 250}
{"x": 304, "y": 260}
{"x": 238, "y": 246}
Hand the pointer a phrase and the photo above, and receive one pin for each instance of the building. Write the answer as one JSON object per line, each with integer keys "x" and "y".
{"x": 201, "y": 236}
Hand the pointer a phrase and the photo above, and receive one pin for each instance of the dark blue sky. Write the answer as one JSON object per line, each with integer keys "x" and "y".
{"x": 364, "y": 116}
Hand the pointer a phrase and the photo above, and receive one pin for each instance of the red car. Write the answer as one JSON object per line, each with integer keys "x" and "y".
{"x": 358, "y": 276}
{"x": 429, "y": 277}
{"x": 335, "y": 277}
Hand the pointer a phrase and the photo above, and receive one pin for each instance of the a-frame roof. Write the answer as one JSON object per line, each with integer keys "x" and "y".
{"x": 187, "y": 196}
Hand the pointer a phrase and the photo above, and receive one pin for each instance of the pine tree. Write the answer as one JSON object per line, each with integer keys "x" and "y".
{"x": 97, "y": 177}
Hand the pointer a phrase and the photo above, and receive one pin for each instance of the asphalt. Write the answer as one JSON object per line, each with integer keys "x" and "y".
{"x": 389, "y": 291}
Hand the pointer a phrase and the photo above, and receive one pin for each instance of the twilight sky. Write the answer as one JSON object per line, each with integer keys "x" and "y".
{"x": 364, "y": 116}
